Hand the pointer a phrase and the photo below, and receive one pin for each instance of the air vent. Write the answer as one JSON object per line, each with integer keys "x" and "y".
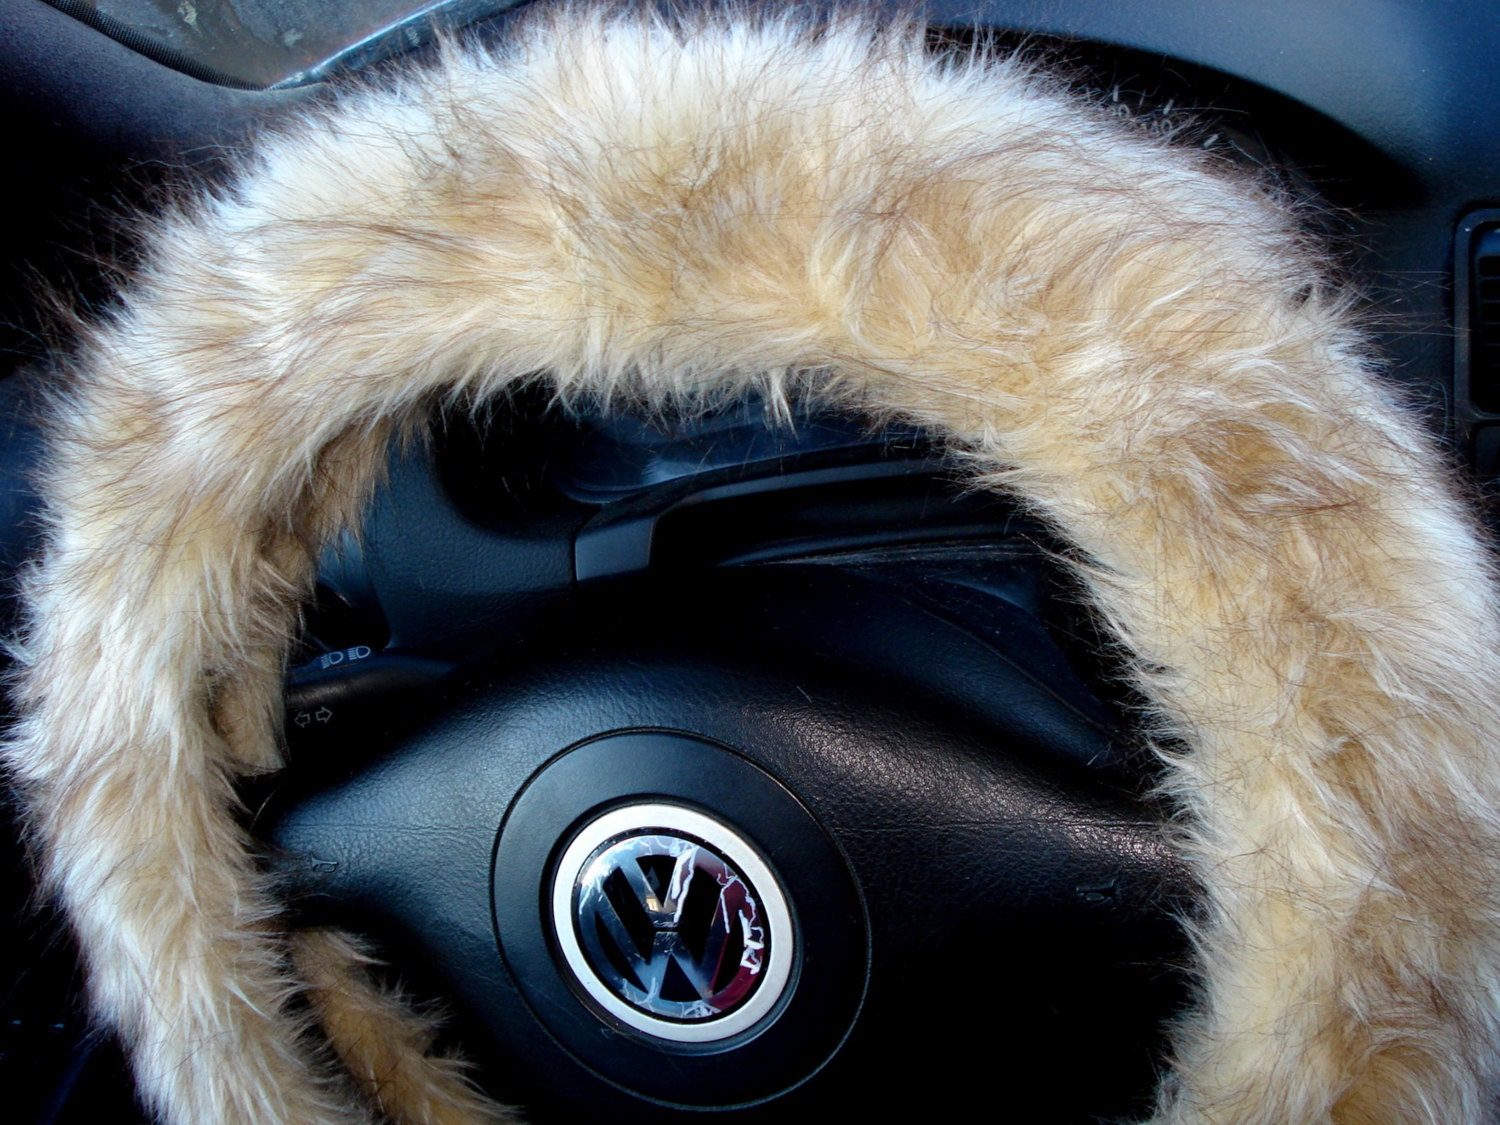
{"x": 1484, "y": 321}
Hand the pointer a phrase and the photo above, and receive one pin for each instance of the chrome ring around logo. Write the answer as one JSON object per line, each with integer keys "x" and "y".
{"x": 672, "y": 923}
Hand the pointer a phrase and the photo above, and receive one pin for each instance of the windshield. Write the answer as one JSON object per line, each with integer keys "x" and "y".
{"x": 264, "y": 43}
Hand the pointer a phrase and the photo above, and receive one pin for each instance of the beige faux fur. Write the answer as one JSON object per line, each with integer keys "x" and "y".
{"x": 1117, "y": 333}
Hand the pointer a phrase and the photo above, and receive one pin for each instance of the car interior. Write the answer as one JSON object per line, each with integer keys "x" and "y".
{"x": 804, "y": 624}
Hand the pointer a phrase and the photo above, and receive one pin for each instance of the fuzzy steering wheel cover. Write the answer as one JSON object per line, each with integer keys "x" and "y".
{"x": 1132, "y": 342}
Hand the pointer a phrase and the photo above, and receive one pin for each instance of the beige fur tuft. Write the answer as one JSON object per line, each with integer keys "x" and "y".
{"x": 383, "y": 1045}
{"x": 1134, "y": 344}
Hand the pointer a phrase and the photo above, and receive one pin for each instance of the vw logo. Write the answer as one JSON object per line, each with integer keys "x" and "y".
{"x": 672, "y": 923}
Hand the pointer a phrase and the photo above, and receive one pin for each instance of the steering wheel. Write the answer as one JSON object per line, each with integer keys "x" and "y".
{"x": 762, "y": 776}
{"x": 827, "y": 666}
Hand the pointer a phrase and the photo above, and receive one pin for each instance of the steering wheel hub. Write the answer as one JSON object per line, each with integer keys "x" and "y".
{"x": 672, "y": 923}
